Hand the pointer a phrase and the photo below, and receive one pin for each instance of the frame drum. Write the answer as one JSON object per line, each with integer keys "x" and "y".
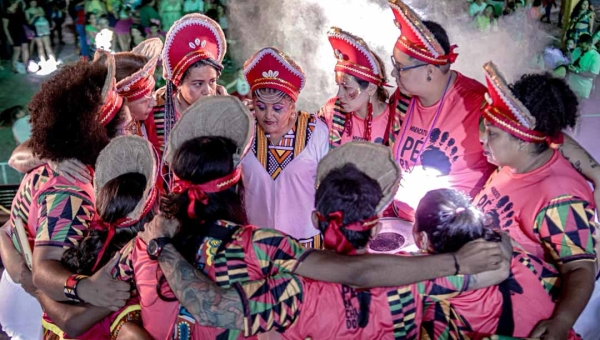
{"x": 395, "y": 236}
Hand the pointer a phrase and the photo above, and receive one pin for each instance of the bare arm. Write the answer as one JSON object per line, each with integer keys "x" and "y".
{"x": 23, "y": 160}
{"x": 50, "y": 275}
{"x": 209, "y": 304}
{"x": 366, "y": 271}
{"x": 11, "y": 258}
{"x": 583, "y": 162}
{"x": 72, "y": 319}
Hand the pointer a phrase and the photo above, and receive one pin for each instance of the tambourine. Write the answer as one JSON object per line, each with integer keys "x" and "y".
{"x": 395, "y": 236}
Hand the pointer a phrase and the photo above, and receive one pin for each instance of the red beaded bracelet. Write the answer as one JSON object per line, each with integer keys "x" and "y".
{"x": 70, "y": 288}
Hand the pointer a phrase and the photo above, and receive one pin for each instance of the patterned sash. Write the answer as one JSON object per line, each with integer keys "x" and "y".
{"x": 402, "y": 103}
{"x": 274, "y": 158}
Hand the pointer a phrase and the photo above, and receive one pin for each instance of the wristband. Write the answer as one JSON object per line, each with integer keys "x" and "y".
{"x": 71, "y": 287}
{"x": 456, "y": 266}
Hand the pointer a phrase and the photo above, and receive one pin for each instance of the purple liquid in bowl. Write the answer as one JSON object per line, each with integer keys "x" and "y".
{"x": 387, "y": 241}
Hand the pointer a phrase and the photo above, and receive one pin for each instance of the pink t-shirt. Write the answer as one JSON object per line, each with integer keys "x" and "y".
{"x": 378, "y": 125}
{"x": 443, "y": 152}
{"x": 549, "y": 211}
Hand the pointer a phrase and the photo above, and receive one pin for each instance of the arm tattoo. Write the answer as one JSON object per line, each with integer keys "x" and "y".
{"x": 593, "y": 163}
{"x": 209, "y": 304}
{"x": 575, "y": 163}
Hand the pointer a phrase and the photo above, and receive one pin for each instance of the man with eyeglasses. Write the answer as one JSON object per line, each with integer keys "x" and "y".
{"x": 439, "y": 109}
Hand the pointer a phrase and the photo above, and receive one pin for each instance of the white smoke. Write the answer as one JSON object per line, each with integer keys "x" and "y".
{"x": 299, "y": 28}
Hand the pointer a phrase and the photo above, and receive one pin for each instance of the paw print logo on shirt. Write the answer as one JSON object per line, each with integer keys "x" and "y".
{"x": 441, "y": 153}
{"x": 502, "y": 213}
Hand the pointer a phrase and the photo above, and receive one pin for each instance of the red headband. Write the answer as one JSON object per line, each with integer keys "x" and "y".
{"x": 334, "y": 237}
{"x": 138, "y": 89}
{"x": 416, "y": 39}
{"x": 506, "y": 112}
{"x": 112, "y": 104}
{"x": 198, "y": 192}
{"x": 98, "y": 224}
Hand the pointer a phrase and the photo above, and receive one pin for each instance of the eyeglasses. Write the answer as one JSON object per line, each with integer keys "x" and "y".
{"x": 403, "y": 69}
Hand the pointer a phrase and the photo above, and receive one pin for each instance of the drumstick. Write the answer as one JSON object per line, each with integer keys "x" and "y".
{"x": 23, "y": 242}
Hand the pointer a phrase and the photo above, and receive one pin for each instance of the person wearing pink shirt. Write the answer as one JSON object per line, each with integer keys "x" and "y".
{"x": 360, "y": 110}
{"x": 437, "y": 145}
{"x": 536, "y": 194}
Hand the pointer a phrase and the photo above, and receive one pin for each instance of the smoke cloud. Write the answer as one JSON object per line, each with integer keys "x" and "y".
{"x": 299, "y": 28}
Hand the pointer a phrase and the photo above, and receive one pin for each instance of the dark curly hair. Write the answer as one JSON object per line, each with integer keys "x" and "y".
{"x": 356, "y": 195}
{"x": 550, "y": 100}
{"x": 202, "y": 160}
{"x": 115, "y": 200}
{"x": 451, "y": 221}
{"x": 128, "y": 63}
{"x": 64, "y": 114}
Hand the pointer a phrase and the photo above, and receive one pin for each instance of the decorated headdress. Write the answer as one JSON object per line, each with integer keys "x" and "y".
{"x": 505, "y": 111}
{"x": 270, "y": 68}
{"x": 192, "y": 38}
{"x": 354, "y": 57}
{"x": 416, "y": 40}
{"x": 112, "y": 101}
{"x": 126, "y": 154}
{"x": 374, "y": 160}
{"x": 141, "y": 83}
{"x": 218, "y": 116}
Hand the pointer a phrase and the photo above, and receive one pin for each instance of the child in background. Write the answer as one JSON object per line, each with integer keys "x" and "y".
{"x": 91, "y": 29}
{"x": 137, "y": 35}
{"x": 154, "y": 30}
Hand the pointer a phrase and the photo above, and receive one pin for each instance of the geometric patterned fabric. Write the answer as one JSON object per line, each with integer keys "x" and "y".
{"x": 274, "y": 158}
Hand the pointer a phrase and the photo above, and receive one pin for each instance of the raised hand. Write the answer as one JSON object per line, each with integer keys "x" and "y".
{"x": 160, "y": 226}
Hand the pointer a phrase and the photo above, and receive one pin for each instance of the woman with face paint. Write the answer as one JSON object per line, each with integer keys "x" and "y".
{"x": 280, "y": 171}
{"x": 194, "y": 50}
{"x": 537, "y": 195}
{"x": 359, "y": 111}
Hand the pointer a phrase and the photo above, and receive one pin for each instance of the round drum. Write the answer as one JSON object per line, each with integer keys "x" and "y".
{"x": 395, "y": 236}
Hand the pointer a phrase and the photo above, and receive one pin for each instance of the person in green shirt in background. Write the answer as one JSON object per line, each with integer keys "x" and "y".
{"x": 148, "y": 12}
{"x": 584, "y": 68}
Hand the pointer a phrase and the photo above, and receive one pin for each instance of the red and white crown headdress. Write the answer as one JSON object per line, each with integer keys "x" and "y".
{"x": 112, "y": 101}
{"x": 354, "y": 56}
{"x": 193, "y": 37}
{"x": 270, "y": 68}
{"x": 416, "y": 40}
{"x": 141, "y": 83}
{"x": 505, "y": 111}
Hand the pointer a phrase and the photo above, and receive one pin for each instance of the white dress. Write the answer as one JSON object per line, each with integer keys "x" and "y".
{"x": 286, "y": 203}
{"x": 20, "y": 313}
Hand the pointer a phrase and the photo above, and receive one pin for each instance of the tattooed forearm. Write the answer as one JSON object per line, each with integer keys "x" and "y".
{"x": 209, "y": 304}
{"x": 581, "y": 160}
